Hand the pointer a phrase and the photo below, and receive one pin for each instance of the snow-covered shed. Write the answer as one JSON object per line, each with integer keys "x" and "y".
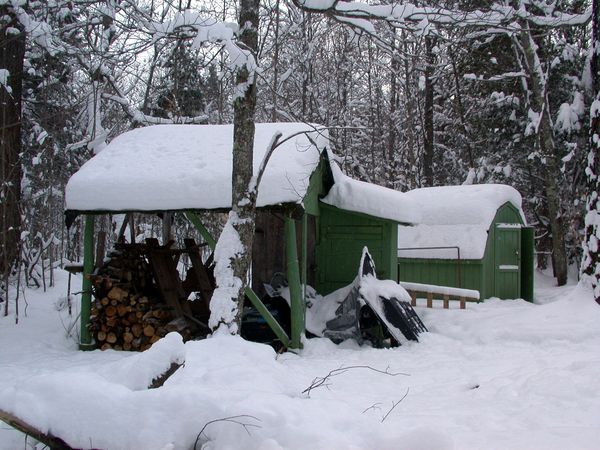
{"x": 187, "y": 169}
{"x": 470, "y": 236}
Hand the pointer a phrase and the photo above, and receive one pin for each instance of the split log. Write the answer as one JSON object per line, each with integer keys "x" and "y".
{"x": 160, "y": 380}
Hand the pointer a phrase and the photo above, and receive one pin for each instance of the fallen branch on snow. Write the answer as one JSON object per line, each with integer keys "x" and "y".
{"x": 324, "y": 381}
{"x": 47, "y": 439}
{"x": 232, "y": 419}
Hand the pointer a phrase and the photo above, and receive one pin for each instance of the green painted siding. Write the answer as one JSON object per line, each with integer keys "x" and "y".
{"x": 341, "y": 238}
{"x": 443, "y": 272}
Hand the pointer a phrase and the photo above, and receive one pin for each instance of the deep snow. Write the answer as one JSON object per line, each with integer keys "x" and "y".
{"x": 498, "y": 375}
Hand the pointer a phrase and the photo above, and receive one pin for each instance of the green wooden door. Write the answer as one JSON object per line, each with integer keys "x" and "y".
{"x": 507, "y": 260}
{"x": 340, "y": 251}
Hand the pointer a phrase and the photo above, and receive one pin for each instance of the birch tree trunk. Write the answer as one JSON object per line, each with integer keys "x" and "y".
{"x": 12, "y": 51}
{"x": 233, "y": 253}
{"x": 591, "y": 252}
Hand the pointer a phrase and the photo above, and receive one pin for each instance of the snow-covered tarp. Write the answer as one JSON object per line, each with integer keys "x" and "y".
{"x": 454, "y": 216}
{"x": 371, "y": 199}
{"x": 173, "y": 167}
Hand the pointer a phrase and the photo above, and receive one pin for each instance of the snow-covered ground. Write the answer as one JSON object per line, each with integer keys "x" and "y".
{"x": 498, "y": 375}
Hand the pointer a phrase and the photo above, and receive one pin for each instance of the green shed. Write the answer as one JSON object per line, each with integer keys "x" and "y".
{"x": 471, "y": 236}
{"x": 349, "y": 215}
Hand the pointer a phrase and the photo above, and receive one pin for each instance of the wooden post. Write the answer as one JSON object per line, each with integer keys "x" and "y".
{"x": 429, "y": 300}
{"x": 85, "y": 340}
{"x": 413, "y": 298}
{"x": 293, "y": 275}
{"x": 462, "y": 303}
{"x": 446, "y": 301}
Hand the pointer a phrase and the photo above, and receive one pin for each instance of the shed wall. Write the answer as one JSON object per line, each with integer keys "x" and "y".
{"x": 443, "y": 272}
{"x": 341, "y": 238}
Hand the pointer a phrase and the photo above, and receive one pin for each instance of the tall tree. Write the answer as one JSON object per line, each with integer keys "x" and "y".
{"x": 591, "y": 258}
{"x": 12, "y": 52}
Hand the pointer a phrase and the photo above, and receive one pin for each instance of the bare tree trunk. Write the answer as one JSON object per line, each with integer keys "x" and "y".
{"x": 243, "y": 212}
{"x": 12, "y": 51}
{"x": 428, "y": 113}
{"x": 275, "y": 65}
{"x": 591, "y": 246}
{"x": 409, "y": 107}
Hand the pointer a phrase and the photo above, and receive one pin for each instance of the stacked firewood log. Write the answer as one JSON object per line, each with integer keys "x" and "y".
{"x": 128, "y": 312}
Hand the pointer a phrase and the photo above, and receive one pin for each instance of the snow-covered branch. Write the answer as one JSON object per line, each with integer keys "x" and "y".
{"x": 410, "y": 16}
{"x": 202, "y": 29}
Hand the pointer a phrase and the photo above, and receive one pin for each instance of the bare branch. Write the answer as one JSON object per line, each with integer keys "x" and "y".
{"x": 394, "y": 404}
{"x": 231, "y": 419}
{"x": 324, "y": 381}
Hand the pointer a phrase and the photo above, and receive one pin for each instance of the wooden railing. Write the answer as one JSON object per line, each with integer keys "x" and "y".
{"x": 445, "y": 293}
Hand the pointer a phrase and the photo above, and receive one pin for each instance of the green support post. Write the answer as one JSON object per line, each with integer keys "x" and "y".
{"x": 85, "y": 342}
{"x": 195, "y": 220}
{"x": 304, "y": 258}
{"x": 293, "y": 275}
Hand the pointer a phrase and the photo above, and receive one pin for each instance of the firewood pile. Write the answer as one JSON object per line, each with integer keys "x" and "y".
{"x": 139, "y": 298}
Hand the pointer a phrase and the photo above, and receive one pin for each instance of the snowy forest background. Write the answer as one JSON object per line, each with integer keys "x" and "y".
{"x": 464, "y": 92}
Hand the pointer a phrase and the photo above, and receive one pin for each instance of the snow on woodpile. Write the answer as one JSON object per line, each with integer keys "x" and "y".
{"x": 371, "y": 199}
{"x": 171, "y": 167}
{"x": 454, "y": 216}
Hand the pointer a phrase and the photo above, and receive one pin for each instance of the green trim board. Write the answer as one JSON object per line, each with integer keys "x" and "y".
{"x": 293, "y": 276}
{"x": 85, "y": 340}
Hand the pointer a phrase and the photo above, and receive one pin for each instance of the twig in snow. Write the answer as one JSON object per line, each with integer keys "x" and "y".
{"x": 373, "y": 406}
{"x": 324, "y": 381}
{"x": 232, "y": 419}
{"x": 394, "y": 404}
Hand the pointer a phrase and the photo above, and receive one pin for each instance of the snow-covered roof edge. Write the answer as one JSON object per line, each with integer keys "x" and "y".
{"x": 188, "y": 167}
{"x": 368, "y": 198}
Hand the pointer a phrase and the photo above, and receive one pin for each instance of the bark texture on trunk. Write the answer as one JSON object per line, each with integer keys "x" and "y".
{"x": 12, "y": 51}
{"x": 428, "y": 114}
{"x": 590, "y": 264}
{"x": 243, "y": 211}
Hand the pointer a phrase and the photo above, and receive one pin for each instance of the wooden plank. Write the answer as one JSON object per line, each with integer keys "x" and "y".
{"x": 429, "y": 300}
{"x": 205, "y": 283}
{"x": 446, "y": 301}
{"x": 167, "y": 278}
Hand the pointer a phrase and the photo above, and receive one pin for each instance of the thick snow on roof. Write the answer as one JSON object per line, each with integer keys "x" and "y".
{"x": 171, "y": 167}
{"x": 454, "y": 216}
{"x": 371, "y": 199}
